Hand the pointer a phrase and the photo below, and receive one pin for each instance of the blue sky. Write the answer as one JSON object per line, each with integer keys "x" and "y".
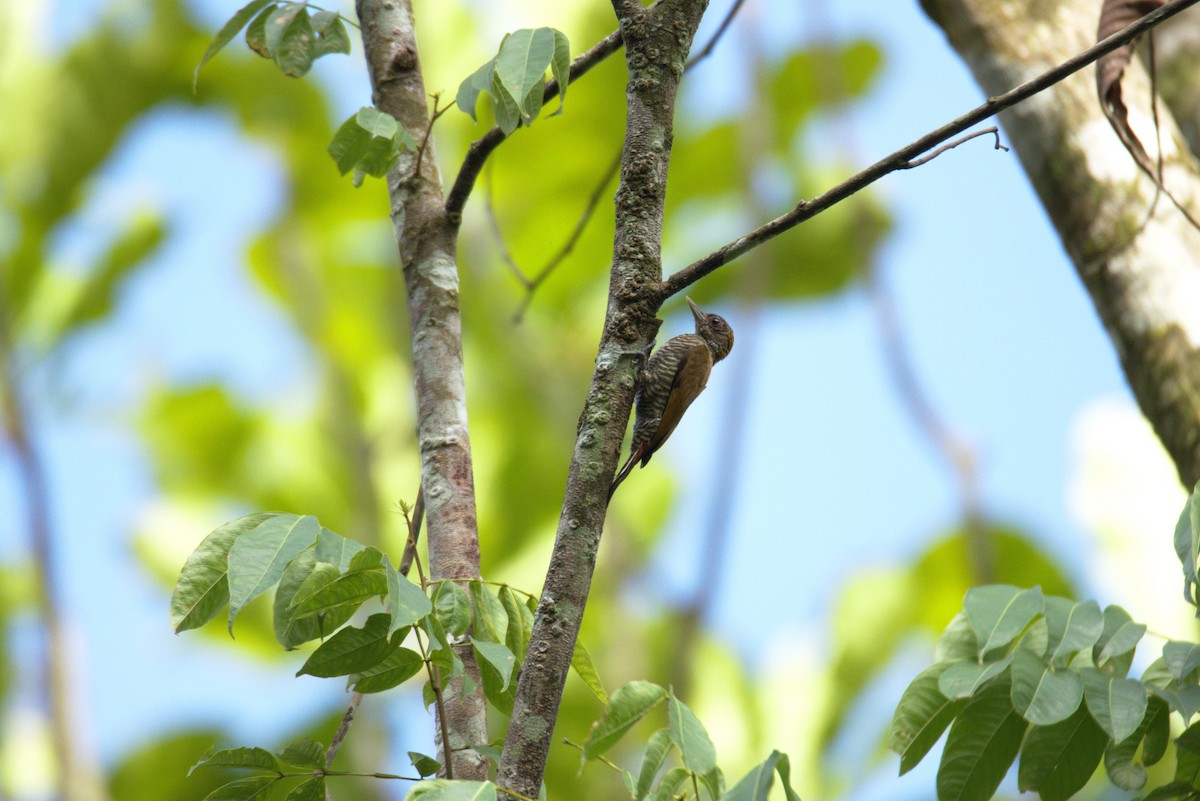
{"x": 1002, "y": 336}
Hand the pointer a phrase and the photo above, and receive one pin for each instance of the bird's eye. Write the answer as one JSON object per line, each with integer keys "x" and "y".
{"x": 718, "y": 323}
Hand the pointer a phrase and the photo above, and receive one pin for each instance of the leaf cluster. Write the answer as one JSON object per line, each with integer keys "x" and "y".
{"x": 697, "y": 774}
{"x": 1046, "y": 678}
{"x": 515, "y": 78}
{"x": 283, "y": 32}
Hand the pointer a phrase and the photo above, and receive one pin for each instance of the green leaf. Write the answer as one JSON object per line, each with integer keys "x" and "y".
{"x": 922, "y": 715}
{"x": 1158, "y": 731}
{"x": 756, "y": 785}
{"x": 203, "y": 585}
{"x": 1182, "y": 658}
{"x": 521, "y": 66}
{"x": 585, "y": 668}
{"x": 351, "y": 650}
{"x": 256, "y": 33}
{"x": 256, "y": 758}
{"x": 982, "y": 744}
{"x": 560, "y": 66}
{"x": 1000, "y": 612}
{"x": 669, "y": 784}
{"x": 332, "y": 36}
{"x": 396, "y": 668}
{"x": 689, "y": 735}
{"x": 1041, "y": 695}
{"x": 520, "y": 622}
{"x": 1118, "y": 705}
{"x": 963, "y": 679}
{"x": 496, "y": 655}
{"x": 505, "y": 107}
{"x": 425, "y": 765}
{"x": 652, "y": 761}
{"x": 1072, "y": 627}
{"x": 1154, "y": 730}
{"x": 406, "y": 602}
{"x": 447, "y": 790}
{"x": 291, "y": 39}
{"x": 227, "y": 32}
{"x": 311, "y": 789}
{"x": 1057, "y": 760}
{"x": 958, "y": 642}
{"x": 246, "y": 789}
{"x": 258, "y": 557}
{"x": 1187, "y": 543}
{"x": 627, "y": 706}
{"x": 1119, "y": 638}
{"x": 1187, "y": 755}
{"x": 347, "y": 589}
{"x": 453, "y": 607}
{"x": 301, "y": 578}
{"x": 1169, "y": 791}
{"x": 490, "y": 621}
{"x": 468, "y": 91}
{"x": 304, "y": 753}
{"x": 336, "y": 549}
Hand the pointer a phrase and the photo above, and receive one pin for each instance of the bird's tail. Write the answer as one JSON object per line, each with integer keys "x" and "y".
{"x": 624, "y": 472}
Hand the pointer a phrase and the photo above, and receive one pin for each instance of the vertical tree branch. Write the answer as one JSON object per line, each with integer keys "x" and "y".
{"x": 427, "y": 253}
{"x": 37, "y": 512}
{"x": 657, "y": 40}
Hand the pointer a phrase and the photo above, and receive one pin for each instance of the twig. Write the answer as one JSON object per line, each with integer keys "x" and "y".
{"x": 806, "y": 209}
{"x": 603, "y": 760}
{"x": 342, "y": 730}
{"x": 568, "y": 246}
{"x": 481, "y": 148}
{"x": 438, "y": 701}
{"x": 414, "y": 535}
{"x": 951, "y": 145}
{"x": 416, "y": 173}
{"x": 709, "y": 46}
{"x": 489, "y": 208}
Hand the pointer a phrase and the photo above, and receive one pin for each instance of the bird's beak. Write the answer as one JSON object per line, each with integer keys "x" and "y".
{"x": 699, "y": 315}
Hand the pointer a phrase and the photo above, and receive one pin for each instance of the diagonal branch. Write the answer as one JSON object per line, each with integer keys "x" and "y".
{"x": 806, "y": 209}
{"x": 656, "y": 40}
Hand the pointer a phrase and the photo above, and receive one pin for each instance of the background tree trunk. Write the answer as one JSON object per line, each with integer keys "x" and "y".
{"x": 1139, "y": 257}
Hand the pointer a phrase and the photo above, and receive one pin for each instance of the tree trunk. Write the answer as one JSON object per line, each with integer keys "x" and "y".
{"x": 1139, "y": 258}
{"x": 427, "y": 244}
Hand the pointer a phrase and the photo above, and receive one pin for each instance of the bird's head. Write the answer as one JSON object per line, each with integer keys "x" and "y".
{"x": 715, "y": 332}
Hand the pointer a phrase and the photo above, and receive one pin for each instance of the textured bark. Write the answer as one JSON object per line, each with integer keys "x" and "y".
{"x": 1176, "y": 47}
{"x": 1142, "y": 270}
{"x": 657, "y": 40}
{"x": 426, "y": 241}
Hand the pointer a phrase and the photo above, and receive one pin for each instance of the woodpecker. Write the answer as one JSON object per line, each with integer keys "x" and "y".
{"x": 672, "y": 378}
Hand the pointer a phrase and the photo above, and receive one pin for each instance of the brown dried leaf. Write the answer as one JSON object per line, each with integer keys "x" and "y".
{"x": 1114, "y": 16}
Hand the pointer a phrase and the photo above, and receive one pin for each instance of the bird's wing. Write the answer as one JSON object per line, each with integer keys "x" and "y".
{"x": 690, "y": 379}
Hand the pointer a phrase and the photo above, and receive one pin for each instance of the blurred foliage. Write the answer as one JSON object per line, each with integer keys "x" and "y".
{"x": 345, "y": 451}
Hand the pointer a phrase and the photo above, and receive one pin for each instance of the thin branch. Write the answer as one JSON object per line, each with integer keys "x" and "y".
{"x": 54, "y": 667}
{"x": 481, "y": 148}
{"x": 342, "y": 730}
{"x": 489, "y": 208}
{"x": 959, "y": 457}
{"x": 531, "y": 285}
{"x": 951, "y": 145}
{"x": 439, "y": 701}
{"x": 413, "y": 519}
{"x": 806, "y": 209}
{"x": 433, "y": 118}
{"x": 711, "y": 45}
